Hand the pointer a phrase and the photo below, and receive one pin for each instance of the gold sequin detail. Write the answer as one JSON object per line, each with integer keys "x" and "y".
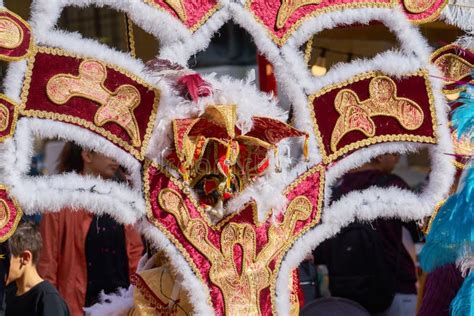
{"x": 19, "y": 215}
{"x": 454, "y": 68}
{"x": 288, "y": 7}
{"x": 462, "y": 146}
{"x": 418, "y": 6}
{"x": 330, "y": 156}
{"x": 4, "y": 213}
{"x": 114, "y": 107}
{"x": 4, "y": 117}
{"x": 11, "y": 34}
{"x": 383, "y": 101}
{"x": 240, "y": 289}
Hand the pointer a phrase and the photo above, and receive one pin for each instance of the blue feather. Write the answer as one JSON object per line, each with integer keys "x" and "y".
{"x": 462, "y": 303}
{"x": 452, "y": 232}
{"x": 463, "y": 117}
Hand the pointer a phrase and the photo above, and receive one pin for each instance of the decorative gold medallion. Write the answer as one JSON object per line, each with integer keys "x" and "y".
{"x": 383, "y": 101}
{"x": 114, "y": 107}
{"x": 418, "y": 6}
{"x": 11, "y": 34}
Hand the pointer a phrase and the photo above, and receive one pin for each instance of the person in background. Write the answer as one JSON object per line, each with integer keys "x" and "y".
{"x": 29, "y": 293}
{"x": 389, "y": 234}
{"x": 85, "y": 254}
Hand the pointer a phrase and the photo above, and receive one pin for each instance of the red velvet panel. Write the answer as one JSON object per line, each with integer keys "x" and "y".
{"x": 10, "y": 214}
{"x": 21, "y": 50}
{"x": 197, "y": 11}
{"x": 266, "y": 12}
{"x": 411, "y": 87}
{"x": 46, "y": 65}
{"x": 464, "y": 54}
{"x": 307, "y": 185}
{"x": 8, "y": 117}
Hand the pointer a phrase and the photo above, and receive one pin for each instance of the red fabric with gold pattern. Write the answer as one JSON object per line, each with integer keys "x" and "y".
{"x": 239, "y": 257}
{"x": 10, "y": 214}
{"x": 457, "y": 65}
{"x": 15, "y": 36}
{"x": 192, "y": 13}
{"x": 93, "y": 95}
{"x": 213, "y": 144}
{"x": 8, "y": 117}
{"x": 283, "y": 17}
{"x": 372, "y": 108}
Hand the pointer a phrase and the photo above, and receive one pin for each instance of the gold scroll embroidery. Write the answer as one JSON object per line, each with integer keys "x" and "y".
{"x": 114, "y": 107}
{"x": 288, "y": 7}
{"x": 4, "y": 117}
{"x": 178, "y": 7}
{"x": 11, "y": 34}
{"x": 4, "y": 213}
{"x": 383, "y": 101}
{"x": 417, "y": 6}
{"x": 454, "y": 68}
{"x": 240, "y": 288}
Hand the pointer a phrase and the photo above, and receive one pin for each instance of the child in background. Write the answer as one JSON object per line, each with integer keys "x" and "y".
{"x": 32, "y": 295}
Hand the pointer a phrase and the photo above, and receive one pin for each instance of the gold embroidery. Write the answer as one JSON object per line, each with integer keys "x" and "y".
{"x": 280, "y": 41}
{"x": 462, "y": 146}
{"x": 114, "y": 107}
{"x": 240, "y": 289}
{"x": 139, "y": 154}
{"x": 27, "y": 28}
{"x": 4, "y": 213}
{"x": 287, "y": 244}
{"x": 454, "y": 68}
{"x": 4, "y": 117}
{"x": 19, "y": 215}
{"x": 11, "y": 34}
{"x": 328, "y": 157}
{"x": 151, "y": 218}
{"x": 418, "y": 6}
{"x": 429, "y": 18}
{"x": 383, "y": 101}
{"x": 178, "y": 7}
{"x": 196, "y": 26}
{"x": 288, "y": 7}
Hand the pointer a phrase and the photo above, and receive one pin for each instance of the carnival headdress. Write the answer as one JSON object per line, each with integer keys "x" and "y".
{"x": 181, "y": 136}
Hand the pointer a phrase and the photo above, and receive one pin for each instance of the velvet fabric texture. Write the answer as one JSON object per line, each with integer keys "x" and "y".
{"x": 21, "y": 50}
{"x": 10, "y": 215}
{"x": 326, "y": 114}
{"x": 46, "y": 65}
{"x": 191, "y": 13}
{"x": 307, "y": 186}
{"x": 282, "y": 18}
{"x": 456, "y": 65}
{"x": 8, "y": 117}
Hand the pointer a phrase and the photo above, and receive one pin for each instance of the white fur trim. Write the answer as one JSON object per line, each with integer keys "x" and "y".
{"x": 52, "y": 193}
{"x": 459, "y": 13}
{"x": 115, "y": 304}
